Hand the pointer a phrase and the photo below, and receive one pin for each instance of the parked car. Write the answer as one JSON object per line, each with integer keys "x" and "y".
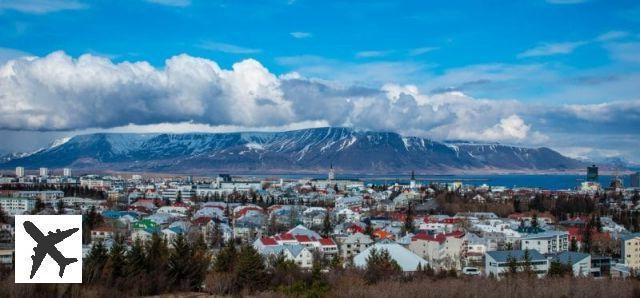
{"x": 470, "y": 271}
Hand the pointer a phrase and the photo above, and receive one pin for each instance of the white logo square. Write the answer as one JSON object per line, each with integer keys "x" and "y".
{"x": 48, "y": 246}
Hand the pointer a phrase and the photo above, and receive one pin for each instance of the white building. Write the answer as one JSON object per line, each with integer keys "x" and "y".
{"x": 354, "y": 244}
{"x": 497, "y": 262}
{"x": 94, "y": 183}
{"x": 580, "y": 262}
{"x": 47, "y": 196}
{"x": 548, "y": 242}
{"x": 19, "y": 172}
{"x": 44, "y": 172}
{"x": 66, "y": 172}
{"x": 15, "y": 206}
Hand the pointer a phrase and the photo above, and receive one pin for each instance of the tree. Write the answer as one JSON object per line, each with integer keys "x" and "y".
{"x": 526, "y": 263}
{"x": 179, "y": 263}
{"x": 200, "y": 259}
{"x": 557, "y": 269}
{"x": 216, "y": 235}
{"x": 573, "y": 246}
{"x": 39, "y": 206}
{"x": 380, "y": 266}
{"x": 117, "y": 261}
{"x": 95, "y": 261}
{"x": 157, "y": 263}
{"x": 368, "y": 229}
{"x": 250, "y": 270}
{"x": 534, "y": 222}
{"x": 408, "y": 221}
{"x": 226, "y": 258}
{"x": 326, "y": 225}
{"x": 336, "y": 263}
{"x": 512, "y": 265}
{"x": 3, "y": 216}
{"x": 60, "y": 206}
{"x": 135, "y": 261}
{"x": 179, "y": 197}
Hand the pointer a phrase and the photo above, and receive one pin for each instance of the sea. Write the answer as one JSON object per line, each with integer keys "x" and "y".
{"x": 543, "y": 181}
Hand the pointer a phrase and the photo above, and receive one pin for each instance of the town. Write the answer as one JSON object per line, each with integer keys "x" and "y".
{"x": 214, "y": 226}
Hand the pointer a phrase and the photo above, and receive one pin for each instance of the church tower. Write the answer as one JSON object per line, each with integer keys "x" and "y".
{"x": 412, "y": 182}
{"x": 332, "y": 174}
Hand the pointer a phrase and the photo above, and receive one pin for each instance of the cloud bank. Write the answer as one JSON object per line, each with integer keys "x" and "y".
{"x": 61, "y": 93}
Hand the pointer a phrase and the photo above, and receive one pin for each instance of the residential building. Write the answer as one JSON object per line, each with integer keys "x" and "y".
{"x": 580, "y": 262}
{"x": 635, "y": 180}
{"x": 16, "y": 206}
{"x": 548, "y": 242}
{"x": 442, "y": 251}
{"x": 66, "y": 172}
{"x": 497, "y": 262}
{"x": 44, "y": 172}
{"x": 19, "y": 172}
{"x": 354, "y": 244}
{"x": 630, "y": 250}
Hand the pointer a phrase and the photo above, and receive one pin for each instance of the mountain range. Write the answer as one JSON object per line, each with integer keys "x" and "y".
{"x": 298, "y": 151}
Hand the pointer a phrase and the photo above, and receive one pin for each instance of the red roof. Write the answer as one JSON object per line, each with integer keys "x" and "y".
{"x": 201, "y": 220}
{"x": 268, "y": 241}
{"x": 302, "y": 238}
{"x": 327, "y": 242}
{"x": 438, "y": 237}
{"x": 285, "y": 236}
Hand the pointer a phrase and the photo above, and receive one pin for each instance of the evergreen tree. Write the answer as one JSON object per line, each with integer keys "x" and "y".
{"x": 39, "y": 206}
{"x": 250, "y": 270}
{"x": 216, "y": 235}
{"x": 60, "y": 206}
{"x": 226, "y": 258}
{"x": 95, "y": 262}
{"x": 117, "y": 260}
{"x": 157, "y": 264}
{"x": 512, "y": 265}
{"x": 326, "y": 225}
{"x": 136, "y": 261}
{"x": 408, "y": 221}
{"x": 573, "y": 246}
{"x": 3, "y": 216}
{"x": 534, "y": 222}
{"x": 380, "y": 266}
{"x": 526, "y": 264}
{"x": 200, "y": 259}
{"x": 179, "y": 263}
{"x": 368, "y": 229}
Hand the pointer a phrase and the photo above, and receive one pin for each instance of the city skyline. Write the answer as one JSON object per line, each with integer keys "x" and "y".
{"x": 560, "y": 74}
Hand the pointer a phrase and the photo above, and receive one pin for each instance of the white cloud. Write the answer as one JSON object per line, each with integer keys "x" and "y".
{"x": 550, "y": 49}
{"x": 300, "y": 35}
{"x": 40, "y": 6}
{"x": 61, "y": 93}
{"x": 178, "y": 3}
{"x": 625, "y": 51}
{"x": 420, "y": 51}
{"x": 227, "y": 48}
{"x": 612, "y": 35}
{"x": 372, "y": 54}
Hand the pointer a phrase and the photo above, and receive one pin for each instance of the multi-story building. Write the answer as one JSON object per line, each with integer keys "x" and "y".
{"x": 635, "y": 180}
{"x": 442, "y": 251}
{"x": 15, "y": 206}
{"x": 497, "y": 262}
{"x": 19, "y": 172}
{"x": 44, "y": 172}
{"x": 66, "y": 172}
{"x": 548, "y": 242}
{"x": 46, "y": 196}
{"x": 93, "y": 183}
{"x": 592, "y": 173}
{"x": 630, "y": 250}
{"x": 354, "y": 244}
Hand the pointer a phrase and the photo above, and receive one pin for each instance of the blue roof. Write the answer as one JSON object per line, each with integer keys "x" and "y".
{"x": 503, "y": 255}
{"x": 572, "y": 257}
{"x": 626, "y": 237}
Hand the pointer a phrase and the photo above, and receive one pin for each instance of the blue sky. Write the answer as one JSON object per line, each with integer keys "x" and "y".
{"x": 557, "y": 73}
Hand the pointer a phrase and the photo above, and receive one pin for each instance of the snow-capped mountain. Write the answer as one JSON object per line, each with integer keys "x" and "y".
{"x": 306, "y": 150}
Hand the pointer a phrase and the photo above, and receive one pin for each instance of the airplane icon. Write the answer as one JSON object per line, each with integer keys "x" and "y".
{"x": 46, "y": 245}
